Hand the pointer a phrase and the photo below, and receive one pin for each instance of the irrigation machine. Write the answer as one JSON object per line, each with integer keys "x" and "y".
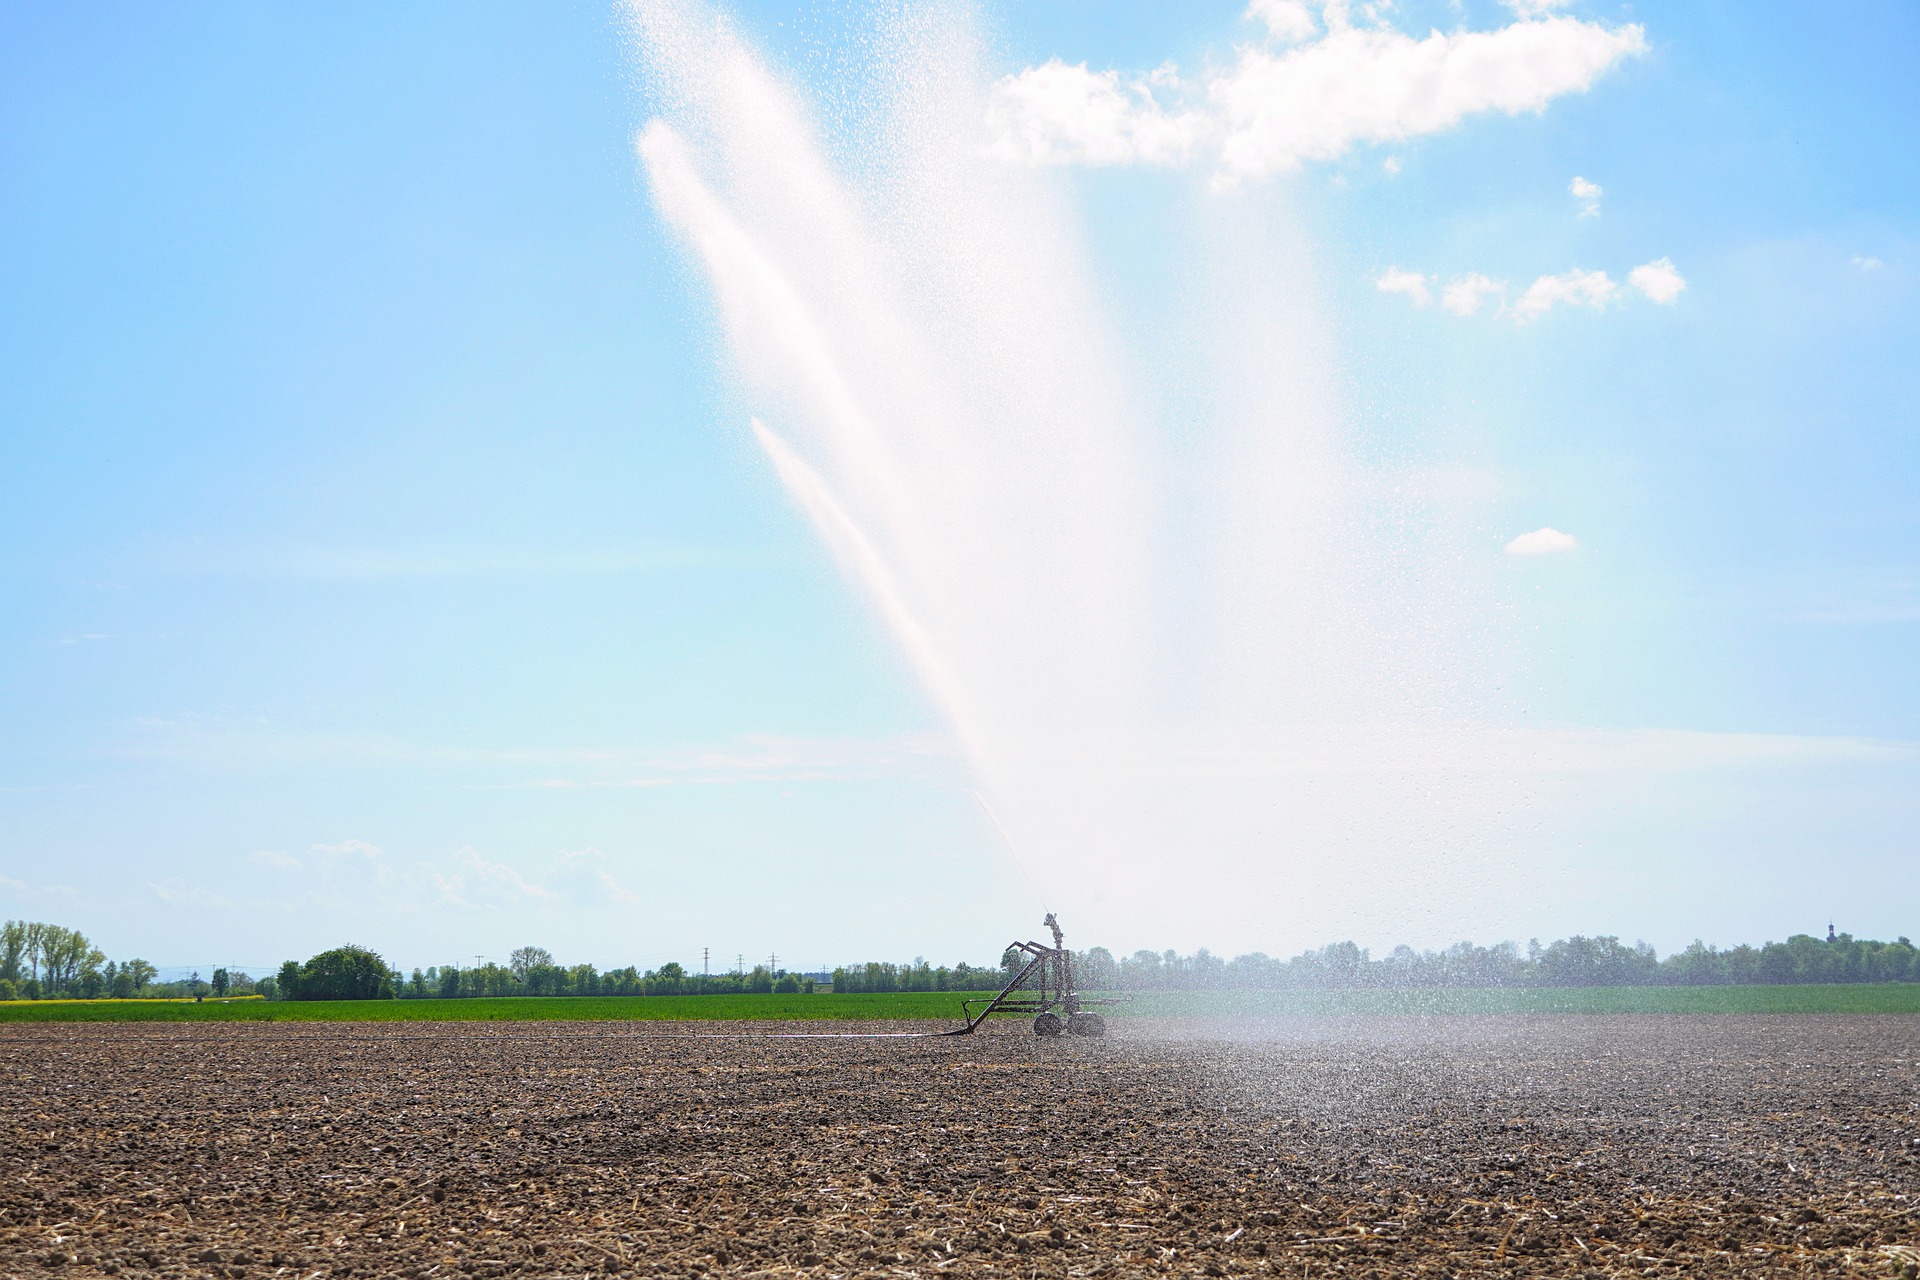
{"x": 1044, "y": 988}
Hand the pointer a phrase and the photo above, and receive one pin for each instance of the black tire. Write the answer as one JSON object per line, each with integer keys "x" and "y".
{"x": 1087, "y": 1024}
{"x": 1048, "y": 1024}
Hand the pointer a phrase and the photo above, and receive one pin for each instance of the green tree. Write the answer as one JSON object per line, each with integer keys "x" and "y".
{"x": 136, "y": 974}
{"x": 13, "y": 951}
{"x": 344, "y": 973}
{"x": 524, "y": 958}
{"x": 221, "y": 982}
{"x": 669, "y": 980}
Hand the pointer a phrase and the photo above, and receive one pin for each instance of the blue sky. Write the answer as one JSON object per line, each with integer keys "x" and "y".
{"x": 388, "y": 557}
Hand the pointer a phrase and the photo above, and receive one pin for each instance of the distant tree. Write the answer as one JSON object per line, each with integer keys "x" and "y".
{"x": 34, "y": 936}
{"x": 1012, "y": 960}
{"x": 669, "y": 980}
{"x": 62, "y": 957}
{"x": 583, "y": 980}
{"x": 345, "y": 973}
{"x": 267, "y": 988}
{"x": 287, "y": 984}
{"x": 139, "y": 973}
{"x": 543, "y": 979}
{"x": 417, "y": 985}
{"x": 1095, "y": 970}
{"x": 525, "y": 958}
{"x": 13, "y": 951}
{"x": 9, "y": 989}
{"x": 221, "y": 981}
{"x": 450, "y": 983}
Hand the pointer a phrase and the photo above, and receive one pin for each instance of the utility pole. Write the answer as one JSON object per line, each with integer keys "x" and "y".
{"x": 706, "y": 970}
{"x": 773, "y": 963}
{"x": 740, "y": 965}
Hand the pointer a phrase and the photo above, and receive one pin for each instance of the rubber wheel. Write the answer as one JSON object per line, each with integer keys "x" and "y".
{"x": 1087, "y": 1024}
{"x": 1048, "y": 1024}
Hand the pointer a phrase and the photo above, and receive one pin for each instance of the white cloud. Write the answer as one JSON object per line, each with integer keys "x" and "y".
{"x": 1542, "y": 542}
{"x": 1575, "y": 288}
{"x": 1375, "y": 84}
{"x": 1865, "y": 263}
{"x": 1659, "y": 280}
{"x": 1411, "y": 283}
{"x": 275, "y": 858}
{"x": 1391, "y": 164}
{"x": 1061, "y": 114}
{"x": 1278, "y": 107}
{"x": 1588, "y": 194}
{"x": 1464, "y": 294}
{"x": 1289, "y": 21}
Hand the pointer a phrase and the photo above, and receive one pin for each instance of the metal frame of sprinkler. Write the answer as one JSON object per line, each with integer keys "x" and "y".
{"x": 1051, "y": 969}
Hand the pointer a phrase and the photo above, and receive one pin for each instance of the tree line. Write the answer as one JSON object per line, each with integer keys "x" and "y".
{"x": 43, "y": 961}
{"x": 47, "y": 962}
{"x": 1578, "y": 961}
{"x": 356, "y": 973}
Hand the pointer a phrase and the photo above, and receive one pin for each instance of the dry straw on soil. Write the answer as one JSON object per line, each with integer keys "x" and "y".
{"x": 1553, "y": 1146}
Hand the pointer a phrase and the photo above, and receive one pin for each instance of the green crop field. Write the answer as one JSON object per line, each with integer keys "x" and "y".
{"x": 913, "y": 1004}
{"x": 1887, "y": 997}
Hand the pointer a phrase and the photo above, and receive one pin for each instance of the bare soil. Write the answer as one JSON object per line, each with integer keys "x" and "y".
{"x": 1551, "y": 1146}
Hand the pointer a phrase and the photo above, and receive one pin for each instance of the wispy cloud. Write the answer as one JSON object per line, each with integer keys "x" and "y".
{"x": 354, "y": 872}
{"x": 23, "y": 891}
{"x": 175, "y": 893}
{"x": 375, "y": 564}
{"x": 227, "y": 746}
{"x": 1317, "y": 88}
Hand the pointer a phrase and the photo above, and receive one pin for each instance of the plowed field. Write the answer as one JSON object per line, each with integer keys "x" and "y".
{"x": 1548, "y": 1146}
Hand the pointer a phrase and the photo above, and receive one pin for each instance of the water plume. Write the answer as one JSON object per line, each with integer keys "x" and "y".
{"x": 1199, "y": 683}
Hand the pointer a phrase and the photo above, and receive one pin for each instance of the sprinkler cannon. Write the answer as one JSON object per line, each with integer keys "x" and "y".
{"x": 1042, "y": 986}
